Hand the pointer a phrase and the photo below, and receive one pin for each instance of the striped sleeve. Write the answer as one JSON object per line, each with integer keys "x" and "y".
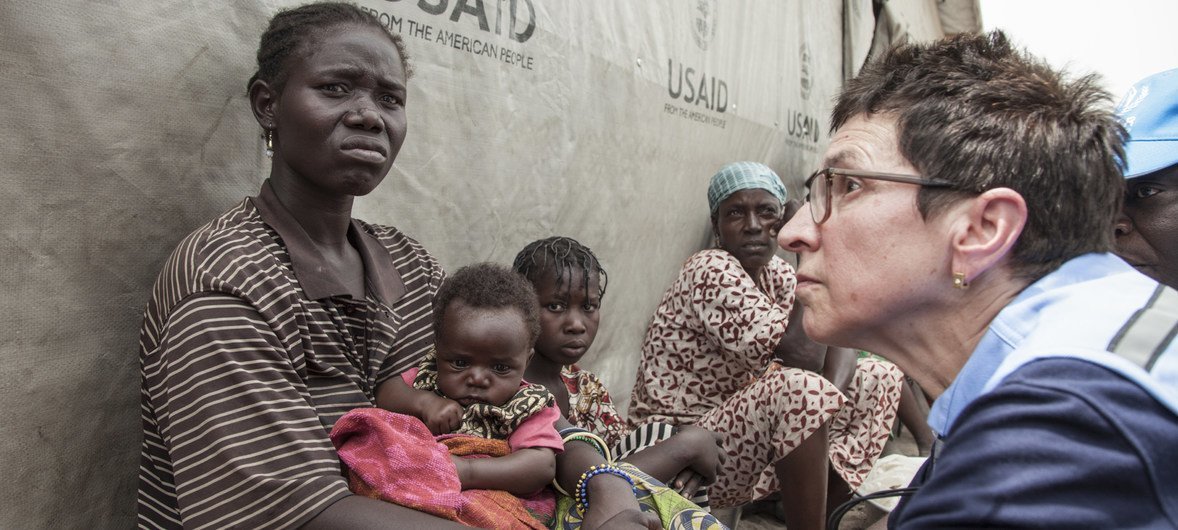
{"x": 246, "y": 445}
{"x": 412, "y": 330}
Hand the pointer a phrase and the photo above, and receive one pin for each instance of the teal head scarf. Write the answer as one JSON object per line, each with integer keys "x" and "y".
{"x": 739, "y": 176}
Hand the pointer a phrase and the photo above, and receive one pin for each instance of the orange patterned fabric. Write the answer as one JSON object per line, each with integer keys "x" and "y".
{"x": 713, "y": 333}
{"x": 393, "y": 457}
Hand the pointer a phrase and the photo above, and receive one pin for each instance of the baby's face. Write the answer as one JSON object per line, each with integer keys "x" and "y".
{"x": 482, "y": 353}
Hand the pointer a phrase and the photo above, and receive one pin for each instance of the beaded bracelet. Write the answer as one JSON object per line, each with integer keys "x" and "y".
{"x": 582, "y": 498}
{"x": 594, "y": 441}
{"x": 577, "y": 434}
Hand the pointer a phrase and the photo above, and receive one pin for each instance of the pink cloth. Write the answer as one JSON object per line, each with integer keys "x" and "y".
{"x": 536, "y": 431}
{"x": 393, "y": 457}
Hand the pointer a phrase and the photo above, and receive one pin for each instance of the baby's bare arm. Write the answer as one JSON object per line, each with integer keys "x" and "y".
{"x": 439, "y": 414}
{"x": 523, "y": 472}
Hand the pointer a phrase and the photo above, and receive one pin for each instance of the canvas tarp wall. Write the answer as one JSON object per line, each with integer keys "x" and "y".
{"x": 127, "y": 127}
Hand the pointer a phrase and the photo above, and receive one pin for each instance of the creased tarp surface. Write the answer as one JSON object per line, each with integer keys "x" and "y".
{"x": 127, "y": 126}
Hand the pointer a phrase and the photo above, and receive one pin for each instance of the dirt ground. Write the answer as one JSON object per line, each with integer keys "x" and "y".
{"x": 859, "y": 518}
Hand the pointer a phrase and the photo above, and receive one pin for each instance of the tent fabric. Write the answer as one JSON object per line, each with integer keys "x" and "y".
{"x": 128, "y": 127}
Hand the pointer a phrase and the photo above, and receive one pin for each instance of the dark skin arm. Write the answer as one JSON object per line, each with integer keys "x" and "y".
{"x": 358, "y": 513}
{"x": 440, "y": 415}
{"x": 521, "y": 473}
{"x": 796, "y": 350}
{"x": 686, "y": 461}
{"x": 913, "y": 413}
{"x": 840, "y": 367}
{"x": 611, "y": 501}
{"x": 803, "y": 475}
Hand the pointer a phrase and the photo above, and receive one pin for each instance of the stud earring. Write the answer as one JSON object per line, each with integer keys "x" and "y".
{"x": 959, "y": 281}
{"x": 268, "y": 136}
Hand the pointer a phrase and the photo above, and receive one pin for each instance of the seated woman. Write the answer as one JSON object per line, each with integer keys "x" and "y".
{"x": 273, "y": 320}
{"x": 707, "y": 359}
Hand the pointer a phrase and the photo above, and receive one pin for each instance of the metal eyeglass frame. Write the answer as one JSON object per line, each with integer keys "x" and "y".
{"x": 829, "y": 173}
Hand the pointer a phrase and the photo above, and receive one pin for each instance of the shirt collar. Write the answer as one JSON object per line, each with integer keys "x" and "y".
{"x": 1008, "y": 331}
{"x": 310, "y": 268}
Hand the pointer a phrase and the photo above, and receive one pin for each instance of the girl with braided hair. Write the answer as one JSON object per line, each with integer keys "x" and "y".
{"x": 570, "y": 284}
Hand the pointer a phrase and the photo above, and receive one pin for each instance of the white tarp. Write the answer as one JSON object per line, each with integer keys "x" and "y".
{"x": 127, "y": 126}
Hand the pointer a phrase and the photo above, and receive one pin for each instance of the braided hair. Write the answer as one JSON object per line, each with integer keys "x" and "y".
{"x": 560, "y": 255}
{"x": 291, "y": 29}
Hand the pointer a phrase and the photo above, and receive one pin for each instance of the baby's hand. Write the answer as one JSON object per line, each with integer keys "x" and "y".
{"x": 441, "y": 415}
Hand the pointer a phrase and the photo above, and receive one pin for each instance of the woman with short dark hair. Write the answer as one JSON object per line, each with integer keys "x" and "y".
{"x": 961, "y": 227}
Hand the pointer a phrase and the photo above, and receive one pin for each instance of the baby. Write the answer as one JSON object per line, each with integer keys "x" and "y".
{"x": 486, "y": 321}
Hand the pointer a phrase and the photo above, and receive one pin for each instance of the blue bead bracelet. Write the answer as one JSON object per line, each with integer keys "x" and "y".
{"x": 582, "y": 490}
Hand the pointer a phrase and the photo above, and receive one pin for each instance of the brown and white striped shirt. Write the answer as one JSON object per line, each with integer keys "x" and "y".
{"x": 250, "y": 352}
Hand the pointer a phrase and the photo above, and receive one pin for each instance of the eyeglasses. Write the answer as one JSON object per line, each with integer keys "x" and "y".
{"x": 819, "y": 195}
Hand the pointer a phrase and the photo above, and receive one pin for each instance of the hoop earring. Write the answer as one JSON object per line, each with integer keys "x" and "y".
{"x": 268, "y": 136}
{"x": 959, "y": 281}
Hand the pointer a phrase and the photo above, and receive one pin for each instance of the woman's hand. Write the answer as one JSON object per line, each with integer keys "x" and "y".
{"x": 796, "y": 350}
{"x": 612, "y": 505}
{"x": 706, "y": 456}
{"x": 441, "y": 415}
{"x": 611, "y": 498}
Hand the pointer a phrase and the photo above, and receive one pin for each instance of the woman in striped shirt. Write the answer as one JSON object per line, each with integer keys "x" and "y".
{"x": 273, "y": 320}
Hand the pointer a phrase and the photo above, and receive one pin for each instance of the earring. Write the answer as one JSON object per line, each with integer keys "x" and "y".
{"x": 959, "y": 281}
{"x": 268, "y": 136}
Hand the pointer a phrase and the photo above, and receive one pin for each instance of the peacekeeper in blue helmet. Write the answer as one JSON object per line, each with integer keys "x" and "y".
{"x": 1147, "y": 229}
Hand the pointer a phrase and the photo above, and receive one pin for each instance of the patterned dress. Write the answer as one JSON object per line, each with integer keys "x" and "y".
{"x": 706, "y": 360}
{"x": 590, "y": 406}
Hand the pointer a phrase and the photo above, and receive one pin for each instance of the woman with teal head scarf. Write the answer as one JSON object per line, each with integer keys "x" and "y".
{"x": 797, "y": 419}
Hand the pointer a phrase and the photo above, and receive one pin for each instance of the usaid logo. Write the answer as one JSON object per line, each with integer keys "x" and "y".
{"x": 510, "y": 19}
{"x": 703, "y": 22}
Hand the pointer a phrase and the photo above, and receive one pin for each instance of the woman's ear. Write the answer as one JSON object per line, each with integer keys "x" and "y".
{"x": 987, "y": 230}
{"x": 263, "y": 100}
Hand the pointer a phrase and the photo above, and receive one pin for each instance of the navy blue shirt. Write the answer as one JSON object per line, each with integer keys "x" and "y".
{"x": 1060, "y": 443}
